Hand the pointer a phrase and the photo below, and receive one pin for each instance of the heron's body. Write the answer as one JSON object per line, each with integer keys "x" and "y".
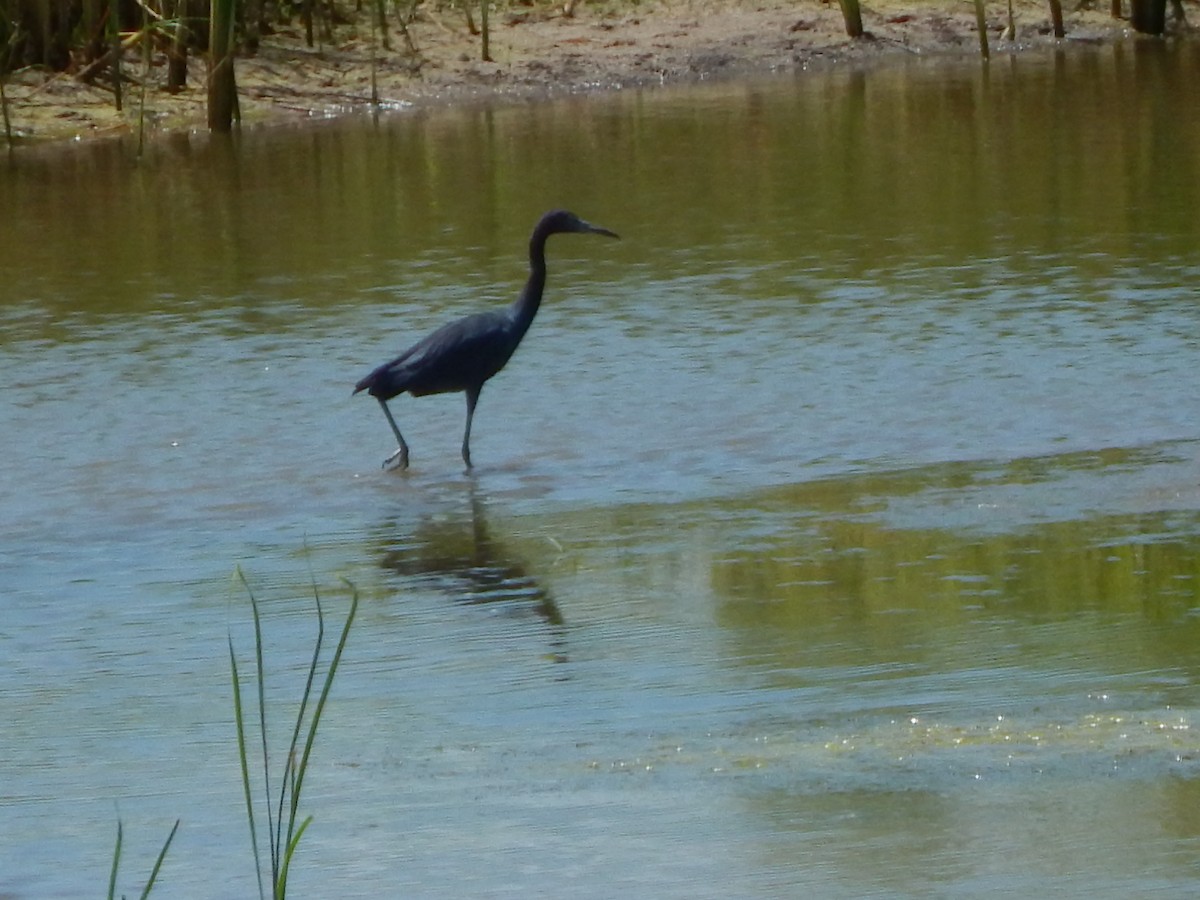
{"x": 462, "y": 355}
{"x": 456, "y": 357}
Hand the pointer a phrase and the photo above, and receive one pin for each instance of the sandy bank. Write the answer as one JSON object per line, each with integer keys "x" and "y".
{"x": 538, "y": 51}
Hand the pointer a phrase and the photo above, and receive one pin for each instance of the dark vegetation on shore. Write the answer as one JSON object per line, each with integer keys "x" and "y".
{"x": 121, "y": 45}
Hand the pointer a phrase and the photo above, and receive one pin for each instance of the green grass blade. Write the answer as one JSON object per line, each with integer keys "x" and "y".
{"x": 281, "y": 887}
{"x": 329, "y": 675}
{"x": 241, "y": 736}
{"x": 112, "y": 878}
{"x": 272, "y": 829}
{"x": 260, "y": 668}
{"x": 293, "y": 778}
{"x": 162, "y": 854}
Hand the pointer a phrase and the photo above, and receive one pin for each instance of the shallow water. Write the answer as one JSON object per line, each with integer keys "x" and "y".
{"x": 838, "y": 530}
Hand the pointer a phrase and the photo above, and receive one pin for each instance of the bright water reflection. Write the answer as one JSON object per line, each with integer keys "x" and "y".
{"x": 836, "y": 531}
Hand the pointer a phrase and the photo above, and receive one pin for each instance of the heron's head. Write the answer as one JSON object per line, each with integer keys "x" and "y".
{"x": 560, "y": 221}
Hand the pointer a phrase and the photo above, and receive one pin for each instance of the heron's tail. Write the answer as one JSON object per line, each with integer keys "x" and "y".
{"x": 381, "y": 383}
{"x": 365, "y": 384}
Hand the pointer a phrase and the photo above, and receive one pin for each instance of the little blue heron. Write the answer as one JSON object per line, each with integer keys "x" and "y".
{"x": 462, "y": 355}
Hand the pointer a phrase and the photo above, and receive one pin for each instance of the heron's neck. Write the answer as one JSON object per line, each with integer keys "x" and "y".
{"x": 527, "y": 304}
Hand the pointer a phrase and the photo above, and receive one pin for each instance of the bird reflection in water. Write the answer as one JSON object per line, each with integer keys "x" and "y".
{"x": 458, "y": 555}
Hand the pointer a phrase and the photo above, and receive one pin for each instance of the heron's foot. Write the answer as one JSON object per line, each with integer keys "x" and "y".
{"x": 398, "y": 460}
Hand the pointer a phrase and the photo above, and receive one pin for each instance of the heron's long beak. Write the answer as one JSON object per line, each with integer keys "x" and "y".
{"x": 596, "y": 229}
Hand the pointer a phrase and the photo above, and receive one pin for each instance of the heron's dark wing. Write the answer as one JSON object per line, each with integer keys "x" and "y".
{"x": 457, "y": 356}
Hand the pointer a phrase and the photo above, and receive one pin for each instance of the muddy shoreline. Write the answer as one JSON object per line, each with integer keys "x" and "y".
{"x": 536, "y": 52}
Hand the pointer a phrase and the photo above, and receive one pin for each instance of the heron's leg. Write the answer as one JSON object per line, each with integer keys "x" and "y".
{"x": 472, "y": 399}
{"x": 402, "y": 450}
